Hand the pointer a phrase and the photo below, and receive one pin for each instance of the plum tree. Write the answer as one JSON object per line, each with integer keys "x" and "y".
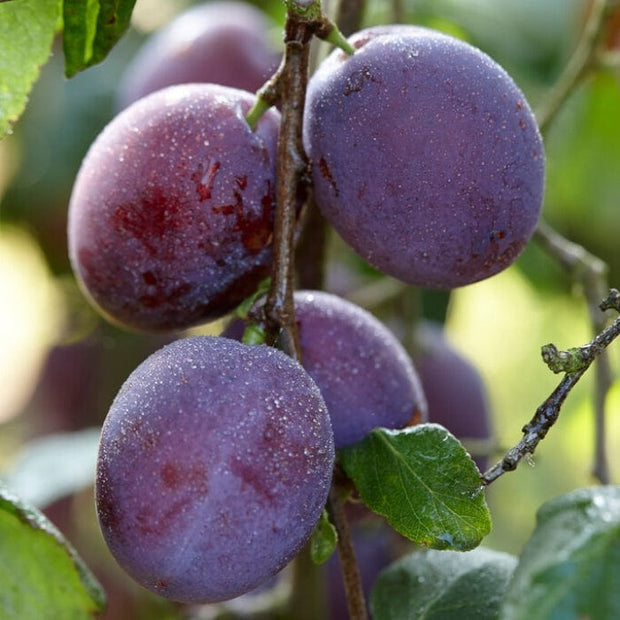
{"x": 221, "y": 42}
{"x": 214, "y": 465}
{"x": 438, "y": 171}
{"x": 171, "y": 215}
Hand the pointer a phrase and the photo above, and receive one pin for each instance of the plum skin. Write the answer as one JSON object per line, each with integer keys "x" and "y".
{"x": 214, "y": 465}
{"x": 217, "y": 42}
{"x": 171, "y": 215}
{"x": 365, "y": 375}
{"x": 437, "y": 175}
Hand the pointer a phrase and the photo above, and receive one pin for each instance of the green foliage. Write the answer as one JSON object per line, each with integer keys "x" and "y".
{"x": 27, "y": 29}
{"x": 42, "y": 576}
{"x": 425, "y": 484}
{"x": 91, "y": 29}
{"x": 570, "y": 568}
{"x": 444, "y": 585}
{"x": 324, "y": 540}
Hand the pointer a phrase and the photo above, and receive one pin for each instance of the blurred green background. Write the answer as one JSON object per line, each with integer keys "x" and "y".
{"x": 62, "y": 364}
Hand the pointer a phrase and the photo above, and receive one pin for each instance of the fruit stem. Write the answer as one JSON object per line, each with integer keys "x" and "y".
{"x": 256, "y": 111}
{"x": 333, "y": 35}
{"x": 356, "y": 601}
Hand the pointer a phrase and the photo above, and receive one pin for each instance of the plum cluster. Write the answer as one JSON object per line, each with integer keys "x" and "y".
{"x": 216, "y": 457}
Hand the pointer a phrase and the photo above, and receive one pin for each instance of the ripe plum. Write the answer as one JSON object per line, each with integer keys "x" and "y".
{"x": 214, "y": 465}
{"x": 171, "y": 215}
{"x": 221, "y": 42}
{"x": 365, "y": 376}
{"x": 426, "y": 157}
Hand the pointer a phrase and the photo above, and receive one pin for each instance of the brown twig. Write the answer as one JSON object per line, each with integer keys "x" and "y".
{"x": 279, "y": 309}
{"x": 591, "y": 272}
{"x": 578, "y": 66}
{"x": 585, "y": 268}
{"x": 352, "y": 581}
{"x": 279, "y": 313}
{"x": 573, "y": 363}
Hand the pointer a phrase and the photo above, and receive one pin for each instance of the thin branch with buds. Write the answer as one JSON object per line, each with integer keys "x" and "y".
{"x": 588, "y": 270}
{"x": 573, "y": 362}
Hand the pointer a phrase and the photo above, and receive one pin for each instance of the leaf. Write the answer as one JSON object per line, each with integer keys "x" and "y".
{"x": 41, "y": 575}
{"x": 425, "y": 484}
{"x": 27, "y": 31}
{"x": 570, "y": 567}
{"x": 444, "y": 585}
{"x": 324, "y": 540}
{"x": 91, "y": 29}
{"x": 54, "y": 466}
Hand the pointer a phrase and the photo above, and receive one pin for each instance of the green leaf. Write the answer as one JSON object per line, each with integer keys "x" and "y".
{"x": 91, "y": 29}
{"x": 570, "y": 567}
{"x": 443, "y": 585}
{"x": 324, "y": 540}
{"x": 41, "y": 575}
{"x": 27, "y": 29}
{"x": 425, "y": 484}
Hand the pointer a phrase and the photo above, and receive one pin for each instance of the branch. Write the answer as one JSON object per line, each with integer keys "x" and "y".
{"x": 582, "y": 60}
{"x": 302, "y": 23}
{"x": 573, "y": 363}
{"x": 591, "y": 272}
{"x": 356, "y": 602}
{"x": 292, "y": 80}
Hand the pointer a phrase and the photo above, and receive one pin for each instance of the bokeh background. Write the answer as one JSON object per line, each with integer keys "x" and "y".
{"x": 62, "y": 364}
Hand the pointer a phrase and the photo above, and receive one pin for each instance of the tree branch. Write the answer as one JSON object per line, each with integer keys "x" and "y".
{"x": 577, "y": 67}
{"x": 591, "y": 272}
{"x": 292, "y": 80}
{"x": 291, "y": 83}
{"x": 574, "y": 363}
{"x": 350, "y": 571}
